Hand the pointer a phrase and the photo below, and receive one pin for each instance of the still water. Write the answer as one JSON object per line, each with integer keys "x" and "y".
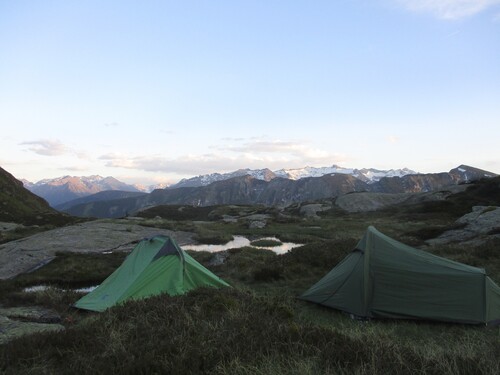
{"x": 240, "y": 241}
{"x": 237, "y": 242}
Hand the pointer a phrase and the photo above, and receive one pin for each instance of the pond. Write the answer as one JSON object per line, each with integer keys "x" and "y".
{"x": 240, "y": 241}
{"x": 237, "y": 242}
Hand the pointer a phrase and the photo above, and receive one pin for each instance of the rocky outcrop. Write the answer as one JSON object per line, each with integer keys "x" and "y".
{"x": 362, "y": 202}
{"x": 310, "y": 211}
{"x": 96, "y": 236}
{"x": 477, "y": 226}
{"x": 366, "y": 201}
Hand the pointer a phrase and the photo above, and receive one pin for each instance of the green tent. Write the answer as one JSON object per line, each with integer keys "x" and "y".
{"x": 156, "y": 265}
{"x": 384, "y": 278}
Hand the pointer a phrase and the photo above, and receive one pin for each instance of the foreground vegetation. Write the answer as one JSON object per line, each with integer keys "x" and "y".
{"x": 258, "y": 326}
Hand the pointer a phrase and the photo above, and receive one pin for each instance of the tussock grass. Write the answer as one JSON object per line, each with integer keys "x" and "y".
{"x": 230, "y": 331}
{"x": 74, "y": 269}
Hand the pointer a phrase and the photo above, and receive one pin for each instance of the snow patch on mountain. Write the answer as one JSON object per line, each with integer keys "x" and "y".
{"x": 367, "y": 175}
{"x": 204, "y": 180}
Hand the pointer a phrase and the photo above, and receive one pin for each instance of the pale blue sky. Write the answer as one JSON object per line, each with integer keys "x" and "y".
{"x": 154, "y": 91}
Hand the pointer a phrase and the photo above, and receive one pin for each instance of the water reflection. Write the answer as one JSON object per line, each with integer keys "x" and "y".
{"x": 41, "y": 288}
{"x": 240, "y": 241}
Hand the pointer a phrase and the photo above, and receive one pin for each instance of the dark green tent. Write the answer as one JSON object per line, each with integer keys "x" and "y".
{"x": 156, "y": 265}
{"x": 384, "y": 278}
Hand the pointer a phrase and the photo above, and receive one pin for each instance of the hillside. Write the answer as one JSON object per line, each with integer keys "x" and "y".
{"x": 18, "y": 205}
{"x": 107, "y": 195}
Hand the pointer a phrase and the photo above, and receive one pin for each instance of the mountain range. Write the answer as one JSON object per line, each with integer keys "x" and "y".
{"x": 60, "y": 190}
{"x": 367, "y": 175}
{"x": 246, "y": 189}
{"x": 63, "y": 191}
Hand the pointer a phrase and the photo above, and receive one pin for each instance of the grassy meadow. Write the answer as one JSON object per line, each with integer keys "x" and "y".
{"x": 258, "y": 326}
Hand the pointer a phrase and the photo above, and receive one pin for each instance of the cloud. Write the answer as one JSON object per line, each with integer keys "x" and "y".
{"x": 111, "y": 124}
{"x": 53, "y": 147}
{"x": 253, "y": 154}
{"x": 290, "y": 149}
{"x": 393, "y": 139}
{"x": 47, "y": 147}
{"x": 75, "y": 168}
{"x": 449, "y": 9}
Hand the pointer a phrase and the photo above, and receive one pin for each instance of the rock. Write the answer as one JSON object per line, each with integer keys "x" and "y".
{"x": 479, "y": 225}
{"x": 33, "y": 314}
{"x": 229, "y": 219}
{"x": 6, "y": 227}
{"x": 218, "y": 258}
{"x": 19, "y": 321}
{"x": 368, "y": 201}
{"x": 258, "y": 224}
{"x": 252, "y": 217}
{"x": 94, "y": 236}
{"x": 311, "y": 210}
{"x": 362, "y": 202}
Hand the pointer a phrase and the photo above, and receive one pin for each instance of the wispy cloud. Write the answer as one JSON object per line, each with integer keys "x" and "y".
{"x": 46, "y": 147}
{"x": 393, "y": 139}
{"x": 75, "y": 168}
{"x": 254, "y": 154}
{"x": 290, "y": 149}
{"x": 111, "y": 124}
{"x": 449, "y": 9}
{"x": 52, "y": 147}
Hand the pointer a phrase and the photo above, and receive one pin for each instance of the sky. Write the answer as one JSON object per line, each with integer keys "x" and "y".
{"x": 155, "y": 91}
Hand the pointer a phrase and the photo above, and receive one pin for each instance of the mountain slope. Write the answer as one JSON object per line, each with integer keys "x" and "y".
{"x": 204, "y": 180}
{"x": 107, "y": 195}
{"x": 19, "y": 205}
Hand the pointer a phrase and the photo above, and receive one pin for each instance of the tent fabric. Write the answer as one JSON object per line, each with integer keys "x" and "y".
{"x": 384, "y": 278}
{"x": 156, "y": 265}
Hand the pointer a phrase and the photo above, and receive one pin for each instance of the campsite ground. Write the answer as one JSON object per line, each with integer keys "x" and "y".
{"x": 257, "y": 326}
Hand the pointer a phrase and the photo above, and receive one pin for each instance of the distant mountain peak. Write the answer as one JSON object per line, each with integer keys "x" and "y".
{"x": 369, "y": 175}
{"x": 467, "y": 173}
{"x": 66, "y": 188}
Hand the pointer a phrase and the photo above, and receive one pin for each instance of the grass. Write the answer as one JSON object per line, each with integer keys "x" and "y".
{"x": 212, "y": 237}
{"x": 258, "y": 326}
{"x": 226, "y": 331}
{"x": 266, "y": 243}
